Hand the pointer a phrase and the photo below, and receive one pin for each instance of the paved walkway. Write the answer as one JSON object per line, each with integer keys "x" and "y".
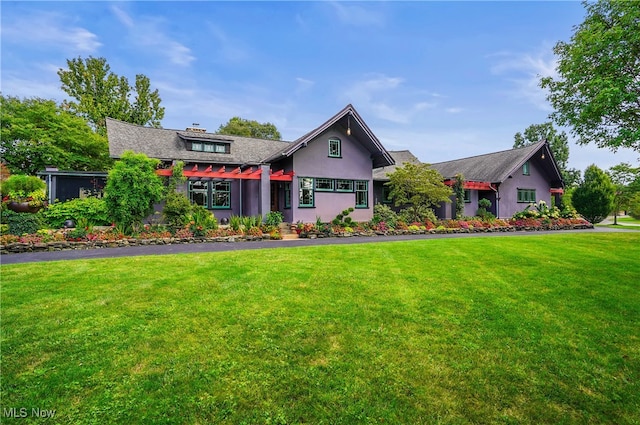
{"x": 30, "y": 257}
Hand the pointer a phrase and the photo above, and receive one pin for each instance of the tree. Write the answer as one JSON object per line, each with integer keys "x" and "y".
{"x": 100, "y": 93}
{"x": 627, "y": 183}
{"x": 36, "y": 133}
{"x": 558, "y": 144}
{"x": 132, "y": 188}
{"x": 458, "y": 190}
{"x": 418, "y": 185}
{"x": 593, "y": 199}
{"x": 597, "y": 91}
{"x": 250, "y": 128}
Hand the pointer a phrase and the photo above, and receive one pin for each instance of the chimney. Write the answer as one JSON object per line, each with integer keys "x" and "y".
{"x": 195, "y": 128}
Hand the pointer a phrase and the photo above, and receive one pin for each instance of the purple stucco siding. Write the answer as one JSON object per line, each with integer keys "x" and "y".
{"x": 314, "y": 161}
{"x": 509, "y": 204}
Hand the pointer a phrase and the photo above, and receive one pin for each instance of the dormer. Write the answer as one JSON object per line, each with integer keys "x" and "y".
{"x": 203, "y": 142}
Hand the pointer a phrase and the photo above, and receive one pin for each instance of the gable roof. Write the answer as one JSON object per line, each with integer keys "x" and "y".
{"x": 349, "y": 118}
{"x": 496, "y": 167}
{"x": 167, "y": 145}
{"x": 399, "y": 157}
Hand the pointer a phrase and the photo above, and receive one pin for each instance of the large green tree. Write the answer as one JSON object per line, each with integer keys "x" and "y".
{"x": 418, "y": 185}
{"x": 558, "y": 144}
{"x": 99, "y": 93}
{"x": 250, "y": 128}
{"x": 627, "y": 184}
{"x": 132, "y": 188}
{"x": 597, "y": 90}
{"x": 593, "y": 198}
{"x": 36, "y": 133}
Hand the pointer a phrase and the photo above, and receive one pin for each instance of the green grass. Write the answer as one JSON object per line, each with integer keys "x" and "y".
{"x": 527, "y": 330}
{"x": 628, "y": 220}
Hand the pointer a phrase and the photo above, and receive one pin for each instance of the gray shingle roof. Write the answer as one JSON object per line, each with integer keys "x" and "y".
{"x": 348, "y": 117}
{"x": 400, "y": 157}
{"x": 492, "y": 167}
{"x": 168, "y": 144}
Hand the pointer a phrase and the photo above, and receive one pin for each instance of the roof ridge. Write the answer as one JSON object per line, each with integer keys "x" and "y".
{"x": 493, "y": 153}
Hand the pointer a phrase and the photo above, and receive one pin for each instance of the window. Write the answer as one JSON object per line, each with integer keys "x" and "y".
{"x": 467, "y": 195}
{"x": 362, "y": 194}
{"x": 526, "y": 169}
{"x": 306, "y": 192}
{"x": 287, "y": 195}
{"x": 324, "y": 185}
{"x": 334, "y": 148}
{"x": 210, "y": 147}
{"x": 344, "y": 185}
{"x": 386, "y": 195}
{"x": 199, "y": 193}
{"x": 221, "y": 195}
{"x": 527, "y": 195}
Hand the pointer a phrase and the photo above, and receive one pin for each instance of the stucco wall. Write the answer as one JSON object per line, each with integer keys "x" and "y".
{"x": 509, "y": 204}
{"x": 314, "y": 161}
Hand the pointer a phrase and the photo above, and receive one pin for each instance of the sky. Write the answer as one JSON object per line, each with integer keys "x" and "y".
{"x": 445, "y": 80}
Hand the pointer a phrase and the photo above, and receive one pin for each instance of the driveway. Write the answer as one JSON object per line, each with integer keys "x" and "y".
{"x": 78, "y": 254}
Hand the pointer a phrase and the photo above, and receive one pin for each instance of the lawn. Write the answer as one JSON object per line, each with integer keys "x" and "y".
{"x": 527, "y": 330}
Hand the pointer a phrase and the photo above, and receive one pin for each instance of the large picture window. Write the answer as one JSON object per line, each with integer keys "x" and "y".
{"x": 210, "y": 194}
{"x": 221, "y": 195}
{"x": 199, "y": 193}
{"x": 305, "y": 192}
{"x": 362, "y": 194}
{"x": 527, "y": 195}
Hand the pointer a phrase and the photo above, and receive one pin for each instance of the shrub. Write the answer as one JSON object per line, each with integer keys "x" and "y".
{"x": 132, "y": 188}
{"x": 594, "y": 197}
{"x": 419, "y": 214}
{"x": 21, "y": 223}
{"x": 274, "y": 218}
{"x": 176, "y": 209}
{"x": 93, "y": 210}
{"x": 201, "y": 220}
{"x": 634, "y": 207}
{"x": 383, "y": 213}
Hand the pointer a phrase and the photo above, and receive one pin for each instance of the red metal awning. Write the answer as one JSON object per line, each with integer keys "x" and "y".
{"x": 473, "y": 185}
{"x": 250, "y": 173}
{"x": 556, "y": 191}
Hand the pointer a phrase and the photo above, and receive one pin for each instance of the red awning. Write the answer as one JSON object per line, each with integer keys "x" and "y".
{"x": 473, "y": 185}
{"x": 221, "y": 173}
{"x": 557, "y": 191}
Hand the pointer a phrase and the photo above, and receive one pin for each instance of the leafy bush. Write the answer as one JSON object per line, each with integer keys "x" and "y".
{"x": 22, "y": 223}
{"x": 274, "y": 218}
{"x": 93, "y": 210}
{"x": 132, "y": 188}
{"x": 201, "y": 220}
{"x": 383, "y": 213}
{"x": 634, "y": 207}
{"x": 420, "y": 214}
{"x": 20, "y": 185}
{"x": 176, "y": 209}
{"x": 483, "y": 205}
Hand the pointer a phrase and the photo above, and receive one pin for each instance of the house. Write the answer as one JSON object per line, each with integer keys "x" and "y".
{"x": 510, "y": 179}
{"x": 322, "y": 173}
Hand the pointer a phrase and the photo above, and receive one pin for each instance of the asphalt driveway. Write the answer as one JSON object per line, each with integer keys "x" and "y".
{"x": 77, "y": 254}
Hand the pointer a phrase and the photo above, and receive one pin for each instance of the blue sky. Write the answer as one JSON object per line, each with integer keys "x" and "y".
{"x": 443, "y": 79}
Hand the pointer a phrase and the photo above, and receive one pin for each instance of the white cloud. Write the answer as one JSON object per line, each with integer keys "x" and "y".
{"x": 356, "y": 15}
{"x": 49, "y": 30}
{"x": 523, "y": 71}
{"x": 147, "y": 33}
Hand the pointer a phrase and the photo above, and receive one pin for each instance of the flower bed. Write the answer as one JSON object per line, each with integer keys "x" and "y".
{"x": 111, "y": 238}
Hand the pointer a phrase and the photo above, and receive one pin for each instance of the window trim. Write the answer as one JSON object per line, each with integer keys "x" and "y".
{"x": 350, "y": 184}
{"x": 467, "y": 196}
{"x": 336, "y": 144}
{"x": 360, "y": 191}
{"x": 214, "y": 191}
{"x": 324, "y": 180}
{"x": 524, "y": 196}
{"x": 287, "y": 195}
{"x": 310, "y": 182}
